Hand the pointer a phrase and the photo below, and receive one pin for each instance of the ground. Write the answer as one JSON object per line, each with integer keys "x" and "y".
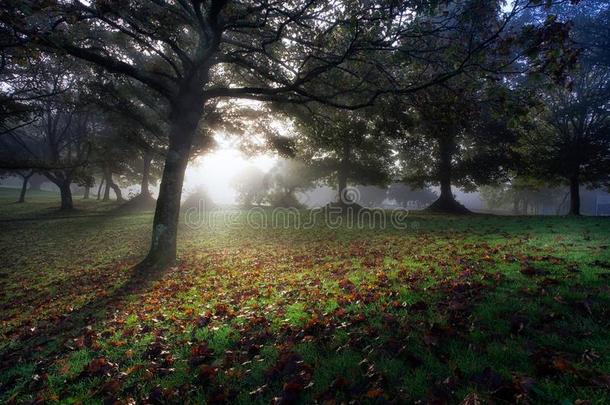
{"x": 446, "y": 309}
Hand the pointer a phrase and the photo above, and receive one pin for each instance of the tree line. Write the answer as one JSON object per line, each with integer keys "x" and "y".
{"x": 463, "y": 93}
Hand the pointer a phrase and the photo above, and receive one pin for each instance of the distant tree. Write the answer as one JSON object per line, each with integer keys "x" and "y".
{"x": 12, "y": 145}
{"x": 458, "y": 135}
{"x": 285, "y": 178}
{"x": 134, "y": 117}
{"x": 54, "y": 138}
{"x": 251, "y": 186}
{"x": 26, "y": 177}
{"x": 458, "y": 132}
{"x": 409, "y": 197}
{"x": 199, "y": 199}
{"x": 567, "y": 138}
{"x": 522, "y": 195}
{"x": 372, "y": 196}
{"x": 36, "y": 182}
{"x": 84, "y": 178}
{"x": 64, "y": 132}
{"x": 344, "y": 147}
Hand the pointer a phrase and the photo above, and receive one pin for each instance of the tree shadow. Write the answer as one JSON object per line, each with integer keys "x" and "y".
{"x": 49, "y": 340}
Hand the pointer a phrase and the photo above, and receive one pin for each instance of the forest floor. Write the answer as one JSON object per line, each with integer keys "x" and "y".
{"x": 447, "y": 310}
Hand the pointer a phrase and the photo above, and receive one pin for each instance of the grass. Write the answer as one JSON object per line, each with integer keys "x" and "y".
{"x": 448, "y": 309}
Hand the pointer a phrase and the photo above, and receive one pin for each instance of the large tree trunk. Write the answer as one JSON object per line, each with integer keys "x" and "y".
{"x": 446, "y": 201}
{"x": 87, "y": 190}
{"x": 185, "y": 117}
{"x": 24, "y": 187}
{"x": 144, "y": 188}
{"x": 167, "y": 212}
{"x": 574, "y": 196}
{"x": 66, "y": 195}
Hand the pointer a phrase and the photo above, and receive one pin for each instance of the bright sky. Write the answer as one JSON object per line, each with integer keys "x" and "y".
{"x": 215, "y": 171}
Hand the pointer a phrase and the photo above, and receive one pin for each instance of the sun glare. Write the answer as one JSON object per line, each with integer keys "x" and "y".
{"x": 215, "y": 171}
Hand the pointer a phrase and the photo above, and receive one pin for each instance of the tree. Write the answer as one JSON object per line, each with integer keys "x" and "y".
{"x": 36, "y": 182}
{"x": 344, "y": 147}
{"x": 285, "y": 178}
{"x": 54, "y": 136}
{"x": 12, "y": 145}
{"x": 64, "y": 133}
{"x": 85, "y": 179}
{"x": 198, "y": 200}
{"x": 251, "y": 186}
{"x": 372, "y": 196}
{"x": 567, "y": 138}
{"x": 457, "y": 132}
{"x": 134, "y": 120}
{"x": 26, "y": 177}
{"x": 410, "y": 198}
{"x": 522, "y": 195}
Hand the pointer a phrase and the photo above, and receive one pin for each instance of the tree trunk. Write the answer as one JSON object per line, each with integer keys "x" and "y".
{"x": 446, "y": 154}
{"x": 110, "y": 184}
{"x": 446, "y": 202}
{"x": 144, "y": 188}
{"x": 342, "y": 179}
{"x": 574, "y": 196}
{"x": 66, "y": 195}
{"x": 106, "y": 190}
{"x": 184, "y": 121}
{"x": 343, "y": 174}
{"x": 117, "y": 191}
{"x": 24, "y": 188}
{"x": 563, "y": 200}
{"x": 99, "y": 189}
{"x": 446, "y": 193}
{"x": 87, "y": 190}
{"x": 167, "y": 212}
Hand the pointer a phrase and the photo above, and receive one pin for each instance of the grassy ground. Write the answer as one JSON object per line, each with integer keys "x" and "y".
{"x": 446, "y": 310}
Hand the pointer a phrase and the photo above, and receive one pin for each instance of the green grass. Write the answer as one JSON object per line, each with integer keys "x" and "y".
{"x": 45, "y": 204}
{"x": 497, "y": 308}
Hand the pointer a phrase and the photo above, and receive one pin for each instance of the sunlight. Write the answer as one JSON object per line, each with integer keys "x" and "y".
{"x": 215, "y": 171}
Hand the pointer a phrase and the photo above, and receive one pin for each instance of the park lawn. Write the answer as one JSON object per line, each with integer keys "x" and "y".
{"x": 447, "y": 309}
{"x": 45, "y": 204}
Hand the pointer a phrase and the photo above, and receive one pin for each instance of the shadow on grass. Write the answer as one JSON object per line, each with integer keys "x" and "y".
{"x": 47, "y": 341}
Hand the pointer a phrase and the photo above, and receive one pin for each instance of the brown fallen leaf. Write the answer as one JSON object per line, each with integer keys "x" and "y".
{"x": 374, "y": 393}
{"x": 531, "y": 271}
{"x": 471, "y": 399}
